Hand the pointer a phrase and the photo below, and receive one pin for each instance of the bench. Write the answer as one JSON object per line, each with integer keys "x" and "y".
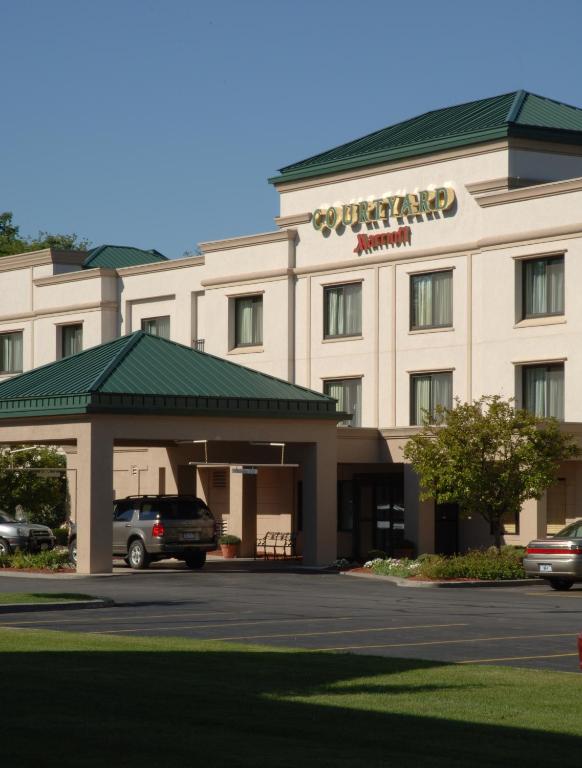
{"x": 277, "y": 544}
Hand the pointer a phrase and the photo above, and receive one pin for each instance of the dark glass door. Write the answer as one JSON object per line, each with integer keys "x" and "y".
{"x": 446, "y": 529}
{"x": 378, "y": 513}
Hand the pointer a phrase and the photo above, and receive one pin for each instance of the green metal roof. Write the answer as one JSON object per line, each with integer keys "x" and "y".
{"x": 141, "y": 373}
{"x": 517, "y": 114}
{"x": 118, "y": 256}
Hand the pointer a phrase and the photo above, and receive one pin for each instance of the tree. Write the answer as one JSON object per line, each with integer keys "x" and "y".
{"x": 43, "y": 499}
{"x": 488, "y": 457}
{"x": 12, "y": 242}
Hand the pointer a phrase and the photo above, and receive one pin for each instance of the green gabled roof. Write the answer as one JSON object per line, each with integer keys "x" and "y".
{"x": 141, "y": 373}
{"x": 118, "y": 256}
{"x": 518, "y": 114}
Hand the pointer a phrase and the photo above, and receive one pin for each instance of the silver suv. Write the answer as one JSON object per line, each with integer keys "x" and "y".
{"x": 147, "y": 528}
{"x": 30, "y": 537}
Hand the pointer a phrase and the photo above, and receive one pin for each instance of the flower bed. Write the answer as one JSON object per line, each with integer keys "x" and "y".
{"x": 50, "y": 560}
{"x": 483, "y": 565}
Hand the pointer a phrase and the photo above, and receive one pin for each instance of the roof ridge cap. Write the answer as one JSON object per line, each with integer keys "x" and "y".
{"x": 133, "y": 339}
{"x": 93, "y": 253}
{"x": 516, "y": 106}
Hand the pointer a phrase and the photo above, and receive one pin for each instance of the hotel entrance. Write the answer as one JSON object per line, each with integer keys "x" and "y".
{"x": 377, "y": 511}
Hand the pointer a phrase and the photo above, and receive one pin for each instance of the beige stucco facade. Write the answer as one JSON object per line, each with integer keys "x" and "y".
{"x": 516, "y": 200}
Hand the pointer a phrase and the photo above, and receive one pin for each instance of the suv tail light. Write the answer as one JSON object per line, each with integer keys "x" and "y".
{"x": 158, "y": 530}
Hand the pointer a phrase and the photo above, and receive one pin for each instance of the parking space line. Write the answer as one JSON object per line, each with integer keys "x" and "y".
{"x": 99, "y": 619}
{"x": 555, "y": 593}
{"x": 449, "y": 642}
{"x": 338, "y": 632}
{"x": 517, "y": 658}
{"x": 226, "y": 623}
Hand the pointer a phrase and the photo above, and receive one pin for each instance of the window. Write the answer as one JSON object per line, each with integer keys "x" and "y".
{"x": 431, "y": 300}
{"x": 543, "y": 287}
{"x": 348, "y": 393}
{"x": 71, "y": 339}
{"x": 11, "y": 352}
{"x": 157, "y": 326}
{"x": 248, "y": 321}
{"x": 123, "y": 513}
{"x": 342, "y": 310}
{"x": 428, "y": 391}
{"x": 543, "y": 390}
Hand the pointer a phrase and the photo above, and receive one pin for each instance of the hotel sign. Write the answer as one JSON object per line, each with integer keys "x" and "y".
{"x": 427, "y": 202}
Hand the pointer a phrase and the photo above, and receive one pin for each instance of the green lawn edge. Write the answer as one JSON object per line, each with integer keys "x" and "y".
{"x": 234, "y": 704}
{"x": 40, "y": 598}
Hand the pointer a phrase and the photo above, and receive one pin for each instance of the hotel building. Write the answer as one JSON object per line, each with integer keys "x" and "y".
{"x": 433, "y": 259}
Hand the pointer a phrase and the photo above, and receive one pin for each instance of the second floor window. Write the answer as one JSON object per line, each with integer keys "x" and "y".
{"x": 71, "y": 339}
{"x": 543, "y": 390}
{"x": 543, "y": 287}
{"x": 248, "y": 321}
{"x": 157, "y": 326}
{"x": 431, "y": 300}
{"x": 342, "y": 310}
{"x": 11, "y": 352}
{"x": 427, "y": 391}
{"x": 348, "y": 393}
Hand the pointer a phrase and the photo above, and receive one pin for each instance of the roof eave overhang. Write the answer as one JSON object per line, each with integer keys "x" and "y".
{"x": 386, "y": 156}
{"x": 165, "y": 405}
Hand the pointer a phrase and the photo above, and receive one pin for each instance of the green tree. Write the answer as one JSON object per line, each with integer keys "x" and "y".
{"x": 43, "y": 499}
{"x": 12, "y": 242}
{"x": 488, "y": 457}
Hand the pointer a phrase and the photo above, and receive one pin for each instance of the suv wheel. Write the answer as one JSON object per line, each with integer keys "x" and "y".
{"x": 560, "y": 584}
{"x": 195, "y": 559}
{"x": 73, "y": 552}
{"x": 4, "y": 547}
{"x": 137, "y": 555}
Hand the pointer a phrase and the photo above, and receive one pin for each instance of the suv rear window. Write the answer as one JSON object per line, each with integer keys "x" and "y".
{"x": 175, "y": 509}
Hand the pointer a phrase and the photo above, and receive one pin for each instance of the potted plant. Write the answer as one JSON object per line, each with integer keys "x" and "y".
{"x": 229, "y": 545}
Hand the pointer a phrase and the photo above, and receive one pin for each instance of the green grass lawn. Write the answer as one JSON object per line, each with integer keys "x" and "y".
{"x": 97, "y": 700}
{"x": 30, "y": 597}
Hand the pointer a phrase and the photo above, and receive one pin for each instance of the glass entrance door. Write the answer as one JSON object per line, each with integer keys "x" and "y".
{"x": 379, "y": 518}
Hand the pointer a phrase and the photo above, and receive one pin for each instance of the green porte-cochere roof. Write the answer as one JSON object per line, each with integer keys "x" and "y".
{"x": 516, "y": 114}
{"x": 144, "y": 374}
{"x": 119, "y": 256}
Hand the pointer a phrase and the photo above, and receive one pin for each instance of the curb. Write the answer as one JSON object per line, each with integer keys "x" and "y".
{"x": 67, "y": 605}
{"x": 407, "y": 583}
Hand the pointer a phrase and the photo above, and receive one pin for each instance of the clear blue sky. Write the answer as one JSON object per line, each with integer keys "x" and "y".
{"x": 156, "y": 123}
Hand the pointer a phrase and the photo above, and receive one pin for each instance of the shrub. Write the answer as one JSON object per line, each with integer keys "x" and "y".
{"x": 61, "y": 536}
{"x": 49, "y": 560}
{"x": 228, "y": 538}
{"x": 488, "y": 565}
{"x": 376, "y": 554}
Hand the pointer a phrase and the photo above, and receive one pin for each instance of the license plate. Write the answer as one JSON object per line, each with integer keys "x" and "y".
{"x": 44, "y": 546}
{"x": 545, "y": 568}
{"x": 189, "y": 536}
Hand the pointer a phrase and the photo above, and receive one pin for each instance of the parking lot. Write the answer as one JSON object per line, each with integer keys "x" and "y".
{"x": 528, "y": 626}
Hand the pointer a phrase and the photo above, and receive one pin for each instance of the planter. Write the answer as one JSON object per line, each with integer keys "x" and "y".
{"x": 229, "y": 551}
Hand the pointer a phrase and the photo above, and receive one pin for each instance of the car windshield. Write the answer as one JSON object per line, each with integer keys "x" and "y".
{"x": 6, "y": 518}
{"x": 182, "y": 509}
{"x": 573, "y": 531}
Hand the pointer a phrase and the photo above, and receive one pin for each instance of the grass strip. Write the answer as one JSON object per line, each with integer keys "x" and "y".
{"x": 84, "y": 700}
{"x": 10, "y": 598}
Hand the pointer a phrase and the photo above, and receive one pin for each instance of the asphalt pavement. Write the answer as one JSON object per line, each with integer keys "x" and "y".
{"x": 529, "y": 626}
